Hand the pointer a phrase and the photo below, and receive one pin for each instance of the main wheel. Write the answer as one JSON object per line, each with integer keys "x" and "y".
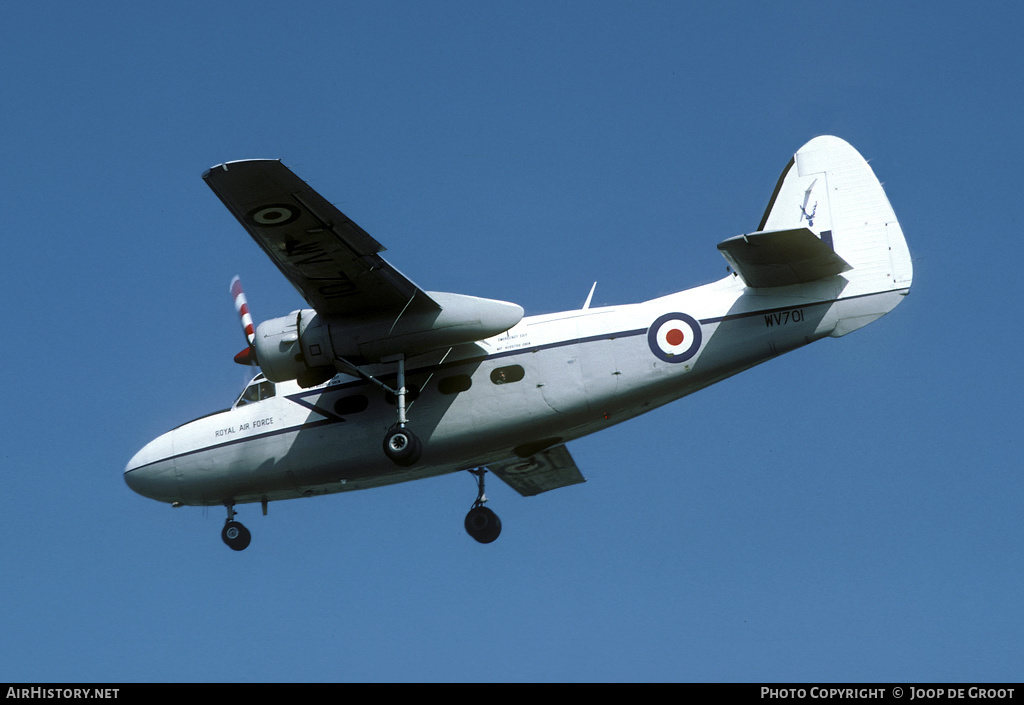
{"x": 483, "y": 524}
{"x": 402, "y": 446}
{"x": 236, "y": 536}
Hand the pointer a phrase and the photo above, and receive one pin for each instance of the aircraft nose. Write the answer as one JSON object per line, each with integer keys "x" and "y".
{"x": 150, "y": 472}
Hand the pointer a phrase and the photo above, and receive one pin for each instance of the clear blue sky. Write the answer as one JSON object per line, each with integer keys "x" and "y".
{"x": 850, "y": 511}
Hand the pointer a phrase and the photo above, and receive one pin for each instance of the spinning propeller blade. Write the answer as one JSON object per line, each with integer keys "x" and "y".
{"x": 247, "y": 356}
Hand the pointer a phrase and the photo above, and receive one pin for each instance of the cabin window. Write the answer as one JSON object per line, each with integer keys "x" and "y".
{"x": 351, "y": 404}
{"x": 256, "y": 391}
{"x": 454, "y": 384}
{"x": 507, "y": 375}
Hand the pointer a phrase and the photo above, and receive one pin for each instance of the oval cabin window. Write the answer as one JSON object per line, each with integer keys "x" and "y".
{"x": 454, "y": 384}
{"x": 507, "y": 375}
{"x": 351, "y": 405}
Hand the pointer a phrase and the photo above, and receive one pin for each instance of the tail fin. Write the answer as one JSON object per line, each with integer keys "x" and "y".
{"x": 829, "y": 189}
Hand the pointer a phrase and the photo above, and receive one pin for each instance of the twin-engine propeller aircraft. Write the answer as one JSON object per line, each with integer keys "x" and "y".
{"x": 380, "y": 382}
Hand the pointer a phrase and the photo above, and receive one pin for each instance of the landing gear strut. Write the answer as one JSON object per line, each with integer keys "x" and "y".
{"x": 400, "y": 444}
{"x": 234, "y": 534}
{"x": 481, "y": 523}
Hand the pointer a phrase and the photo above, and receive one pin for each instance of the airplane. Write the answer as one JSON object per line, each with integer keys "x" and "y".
{"x": 381, "y": 382}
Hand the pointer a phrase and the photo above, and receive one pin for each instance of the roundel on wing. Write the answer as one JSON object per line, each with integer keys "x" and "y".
{"x": 674, "y": 337}
{"x": 269, "y": 216}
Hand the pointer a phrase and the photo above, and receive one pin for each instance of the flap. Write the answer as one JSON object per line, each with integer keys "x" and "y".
{"x": 541, "y": 472}
{"x": 781, "y": 257}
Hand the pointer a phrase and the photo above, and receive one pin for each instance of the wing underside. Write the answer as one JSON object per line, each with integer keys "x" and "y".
{"x": 333, "y": 262}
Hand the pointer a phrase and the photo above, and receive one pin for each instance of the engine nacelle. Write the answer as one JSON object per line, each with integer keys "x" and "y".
{"x": 304, "y": 346}
{"x": 279, "y": 350}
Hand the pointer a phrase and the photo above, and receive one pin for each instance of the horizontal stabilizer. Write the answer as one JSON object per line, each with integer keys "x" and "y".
{"x": 544, "y": 471}
{"x": 781, "y": 257}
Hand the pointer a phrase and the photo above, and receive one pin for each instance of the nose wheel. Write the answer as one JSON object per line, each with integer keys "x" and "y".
{"x": 234, "y": 533}
{"x": 481, "y": 523}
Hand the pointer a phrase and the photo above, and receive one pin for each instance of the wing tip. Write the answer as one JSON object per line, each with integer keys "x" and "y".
{"x": 223, "y": 166}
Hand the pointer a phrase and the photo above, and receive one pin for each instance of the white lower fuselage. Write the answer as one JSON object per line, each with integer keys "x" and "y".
{"x": 550, "y": 379}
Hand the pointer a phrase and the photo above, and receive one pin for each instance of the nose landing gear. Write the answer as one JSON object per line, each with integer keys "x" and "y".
{"x": 481, "y": 523}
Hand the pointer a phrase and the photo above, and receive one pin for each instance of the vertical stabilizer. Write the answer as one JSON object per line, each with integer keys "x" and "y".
{"x": 829, "y": 189}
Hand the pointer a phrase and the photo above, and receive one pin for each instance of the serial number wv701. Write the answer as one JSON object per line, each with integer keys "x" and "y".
{"x": 781, "y": 318}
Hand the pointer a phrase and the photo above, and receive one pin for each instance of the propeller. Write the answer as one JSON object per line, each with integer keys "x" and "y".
{"x": 247, "y": 356}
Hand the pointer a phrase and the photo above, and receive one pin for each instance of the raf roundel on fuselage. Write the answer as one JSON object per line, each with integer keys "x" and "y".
{"x": 674, "y": 337}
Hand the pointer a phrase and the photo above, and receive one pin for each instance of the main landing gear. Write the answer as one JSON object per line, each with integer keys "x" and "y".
{"x": 481, "y": 523}
{"x": 401, "y": 445}
{"x": 234, "y": 534}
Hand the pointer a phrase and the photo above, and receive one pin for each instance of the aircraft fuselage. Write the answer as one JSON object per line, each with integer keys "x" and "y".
{"x": 549, "y": 379}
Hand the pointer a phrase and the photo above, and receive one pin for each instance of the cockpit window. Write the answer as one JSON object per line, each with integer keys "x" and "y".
{"x": 257, "y": 390}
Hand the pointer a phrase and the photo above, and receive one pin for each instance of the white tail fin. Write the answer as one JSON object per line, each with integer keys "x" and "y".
{"x": 829, "y": 189}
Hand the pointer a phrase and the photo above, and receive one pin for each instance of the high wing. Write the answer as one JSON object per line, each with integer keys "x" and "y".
{"x": 333, "y": 262}
{"x": 781, "y": 257}
{"x": 544, "y": 471}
